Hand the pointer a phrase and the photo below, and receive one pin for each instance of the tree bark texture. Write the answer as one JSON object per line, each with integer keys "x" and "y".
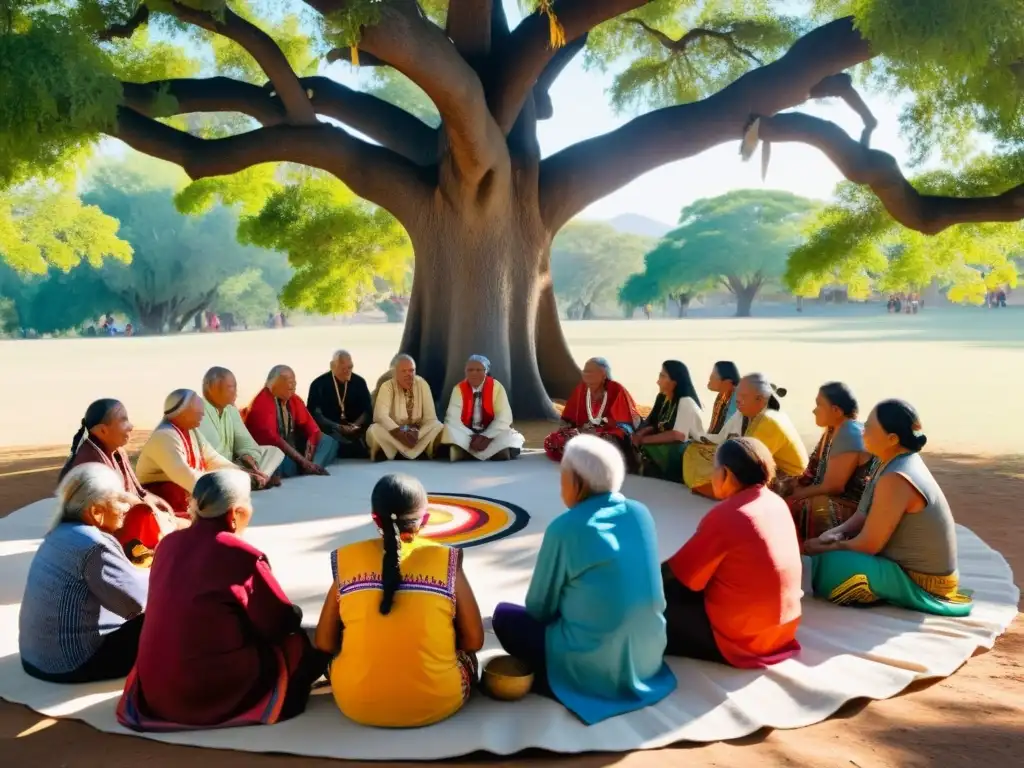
{"x": 480, "y": 205}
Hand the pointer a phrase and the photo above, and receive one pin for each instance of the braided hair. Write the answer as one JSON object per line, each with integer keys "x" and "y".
{"x": 398, "y": 502}
{"x": 97, "y": 413}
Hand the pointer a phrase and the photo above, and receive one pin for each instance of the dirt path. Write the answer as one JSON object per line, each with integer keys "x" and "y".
{"x": 971, "y": 719}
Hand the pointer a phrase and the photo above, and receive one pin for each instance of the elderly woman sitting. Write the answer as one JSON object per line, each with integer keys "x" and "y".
{"x": 176, "y": 454}
{"x": 733, "y": 590}
{"x": 900, "y": 545}
{"x": 593, "y": 628}
{"x": 758, "y": 415}
{"x": 479, "y": 418}
{"x": 83, "y": 606}
{"x": 223, "y": 645}
{"x": 597, "y": 406}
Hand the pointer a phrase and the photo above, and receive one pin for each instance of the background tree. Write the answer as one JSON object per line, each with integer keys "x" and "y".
{"x": 589, "y": 262}
{"x": 740, "y": 240}
{"x": 479, "y": 203}
{"x": 46, "y": 225}
{"x": 644, "y": 288}
{"x": 856, "y": 243}
{"x": 179, "y": 262}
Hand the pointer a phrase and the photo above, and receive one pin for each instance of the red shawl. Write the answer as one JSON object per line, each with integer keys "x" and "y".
{"x": 487, "y": 403}
{"x": 620, "y": 409}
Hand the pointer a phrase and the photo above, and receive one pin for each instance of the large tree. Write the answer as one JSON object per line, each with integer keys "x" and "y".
{"x": 480, "y": 204}
{"x": 740, "y": 241}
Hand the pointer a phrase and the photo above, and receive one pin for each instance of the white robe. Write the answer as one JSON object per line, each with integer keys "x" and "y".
{"x": 163, "y": 458}
{"x": 499, "y": 430}
{"x": 390, "y": 412}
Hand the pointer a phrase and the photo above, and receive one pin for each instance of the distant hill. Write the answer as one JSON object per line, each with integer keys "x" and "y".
{"x": 635, "y": 224}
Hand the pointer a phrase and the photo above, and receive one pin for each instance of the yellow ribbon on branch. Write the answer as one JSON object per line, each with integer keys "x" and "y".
{"x": 556, "y": 30}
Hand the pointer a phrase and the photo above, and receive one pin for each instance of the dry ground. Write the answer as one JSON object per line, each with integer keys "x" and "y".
{"x": 951, "y": 365}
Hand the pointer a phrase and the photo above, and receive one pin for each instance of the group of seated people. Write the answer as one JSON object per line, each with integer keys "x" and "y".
{"x": 208, "y": 638}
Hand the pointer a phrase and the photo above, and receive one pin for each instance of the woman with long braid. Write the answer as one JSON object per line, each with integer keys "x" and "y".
{"x": 104, "y": 432}
{"x": 400, "y": 619}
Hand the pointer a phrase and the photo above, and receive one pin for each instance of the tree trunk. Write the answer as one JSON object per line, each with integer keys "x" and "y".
{"x": 684, "y": 303}
{"x": 151, "y": 319}
{"x": 482, "y": 286}
{"x": 744, "y": 300}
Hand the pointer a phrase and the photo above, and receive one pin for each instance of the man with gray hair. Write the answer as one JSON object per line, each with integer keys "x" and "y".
{"x": 404, "y": 419}
{"x": 278, "y": 417}
{"x": 340, "y": 403}
{"x": 222, "y": 425}
{"x": 479, "y": 418}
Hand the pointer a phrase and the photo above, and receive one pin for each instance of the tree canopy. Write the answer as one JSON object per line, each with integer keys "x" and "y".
{"x": 175, "y": 265}
{"x": 480, "y": 204}
{"x": 740, "y": 240}
{"x": 590, "y": 260}
{"x": 854, "y": 242}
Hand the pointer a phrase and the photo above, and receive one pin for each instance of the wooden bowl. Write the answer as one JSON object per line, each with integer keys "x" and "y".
{"x": 507, "y": 678}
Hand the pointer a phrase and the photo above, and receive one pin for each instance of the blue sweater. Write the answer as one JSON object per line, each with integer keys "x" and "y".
{"x": 81, "y": 586}
{"x": 597, "y": 586}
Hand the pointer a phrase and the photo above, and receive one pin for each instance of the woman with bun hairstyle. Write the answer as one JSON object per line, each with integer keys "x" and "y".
{"x": 758, "y": 415}
{"x": 900, "y": 545}
{"x": 733, "y": 591}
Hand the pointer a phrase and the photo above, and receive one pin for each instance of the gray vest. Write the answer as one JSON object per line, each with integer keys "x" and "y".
{"x": 924, "y": 542}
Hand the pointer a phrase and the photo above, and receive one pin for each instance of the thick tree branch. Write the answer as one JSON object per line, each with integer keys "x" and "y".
{"x": 385, "y": 123}
{"x": 579, "y": 175}
{"x": 928, "y": 214}
{"x": 420, "y": 50}
{"x": 127, "y": 29}
{"x": 541, "y": 91}
{"x": 214, "y": 94}
{"x": 261, "y": 47}
{"x": 528, "y": 50}
{"x": 468, "y": 25}
{"x": 382, "y": 121}
{"x": 699, "y": 33}
{"x": 374, "y": 173}
{"x": 841, "y": 86}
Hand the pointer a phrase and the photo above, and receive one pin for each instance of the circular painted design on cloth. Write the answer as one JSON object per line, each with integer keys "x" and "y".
{"x": 463, "y": 521}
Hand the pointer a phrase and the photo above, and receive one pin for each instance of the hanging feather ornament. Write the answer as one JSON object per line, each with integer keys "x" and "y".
{"x": 750, "y": 139}
{"x": 355, "y": 56}
{"x": 556, "y": 31}
{"x": 766, "y": 156}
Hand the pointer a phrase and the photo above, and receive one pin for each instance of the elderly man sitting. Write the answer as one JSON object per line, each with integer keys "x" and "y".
{"x": 223, "y": 427}
{"x": 479, "y": 418}
{"x": 278, "y": 417}
{"x": 404, "y": 420}
{"x": 176, "y": 454}
{"x": 340, "y": 402}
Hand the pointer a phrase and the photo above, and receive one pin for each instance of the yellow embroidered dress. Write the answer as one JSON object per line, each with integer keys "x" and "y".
{"x": 401, "y": 670}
